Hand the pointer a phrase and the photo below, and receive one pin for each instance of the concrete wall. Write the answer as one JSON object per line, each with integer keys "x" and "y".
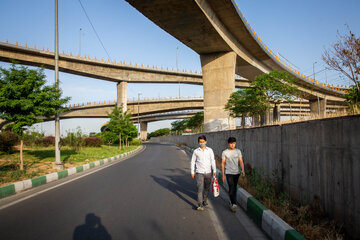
{"x": 315, "y": 158}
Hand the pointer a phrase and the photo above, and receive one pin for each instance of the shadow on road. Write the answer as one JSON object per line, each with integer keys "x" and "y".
{"x": 178, "y": 185}
{"x": 92, "y": 229}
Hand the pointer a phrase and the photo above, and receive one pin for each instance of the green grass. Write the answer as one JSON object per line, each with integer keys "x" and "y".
{"x": 38, "y": 161}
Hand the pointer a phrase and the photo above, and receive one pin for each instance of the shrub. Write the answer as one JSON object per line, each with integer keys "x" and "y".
{"x": 93, "y": 142}
{"x": 74, "y": 139}
{"x": 7, "y": 141}
{"x": 48, "y": 140}
{"x": 135, "y": 142}
{"x": 109, "y": 137}
{"x": 30, "y": 138}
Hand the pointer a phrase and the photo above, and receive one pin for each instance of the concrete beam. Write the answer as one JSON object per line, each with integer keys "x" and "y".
{"x": 218, "y": 74}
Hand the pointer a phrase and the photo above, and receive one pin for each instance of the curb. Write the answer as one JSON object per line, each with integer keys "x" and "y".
{"x": 34, "y": 182}
{"x": 267, "y": 220}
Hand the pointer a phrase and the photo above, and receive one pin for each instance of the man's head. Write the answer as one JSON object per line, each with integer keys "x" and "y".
{"x": 232, "y": 142}
{"x": 202, "y": 141}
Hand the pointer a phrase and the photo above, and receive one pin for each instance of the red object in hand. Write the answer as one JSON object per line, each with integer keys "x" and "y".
{"x": 215, "y": 187}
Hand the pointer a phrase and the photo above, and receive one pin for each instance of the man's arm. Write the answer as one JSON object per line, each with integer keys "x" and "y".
{"x": 213, "y": 164}
{"x": 242, "y": 166}
{"x": 192, "y": 165}
{"x": 223, "y": 169}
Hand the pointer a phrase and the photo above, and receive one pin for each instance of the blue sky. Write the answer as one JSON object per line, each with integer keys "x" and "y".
{"x": 298, "y": 30}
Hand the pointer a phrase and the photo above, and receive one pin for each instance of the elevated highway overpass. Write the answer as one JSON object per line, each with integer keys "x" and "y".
{"x": 150, "y": 110}
{"x": 227, "y": 45}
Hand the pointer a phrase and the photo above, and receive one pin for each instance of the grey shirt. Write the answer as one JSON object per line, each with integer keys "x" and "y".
{"x": 232, "y": 165}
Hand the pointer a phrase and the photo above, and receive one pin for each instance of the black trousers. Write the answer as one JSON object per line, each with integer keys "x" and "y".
{"x": 232, "y": 180}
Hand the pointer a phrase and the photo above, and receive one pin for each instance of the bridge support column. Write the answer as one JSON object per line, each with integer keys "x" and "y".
{"x": 143, "y": 130}
{"x": 318, "y": 107}
{"x": 218, "y": 78}
{"x": 121, "y": 95}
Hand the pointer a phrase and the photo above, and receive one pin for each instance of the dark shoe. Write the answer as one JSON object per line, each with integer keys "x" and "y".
{"x": 205, "y": 204}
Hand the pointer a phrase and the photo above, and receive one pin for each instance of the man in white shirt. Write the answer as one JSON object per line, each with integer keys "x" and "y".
{"x": 203, "y": 161}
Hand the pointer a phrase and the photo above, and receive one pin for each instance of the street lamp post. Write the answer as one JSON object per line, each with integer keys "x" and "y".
{"x": 317, "y": 96}
{"x": 138, "y": 114}
{"x": 57, "y": 118}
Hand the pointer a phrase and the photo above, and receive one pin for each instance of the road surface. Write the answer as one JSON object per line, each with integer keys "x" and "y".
{"x": 148, "y": 196}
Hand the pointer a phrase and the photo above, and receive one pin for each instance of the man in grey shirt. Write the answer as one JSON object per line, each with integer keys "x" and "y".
{"x": 203, "y": 160}
{"x": 231, "y": 161}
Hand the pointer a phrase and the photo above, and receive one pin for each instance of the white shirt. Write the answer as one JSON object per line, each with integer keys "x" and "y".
{"x": 204, "y": 160}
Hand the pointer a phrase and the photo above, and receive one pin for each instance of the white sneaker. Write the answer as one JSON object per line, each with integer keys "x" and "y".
{"x": 233, "y": 208}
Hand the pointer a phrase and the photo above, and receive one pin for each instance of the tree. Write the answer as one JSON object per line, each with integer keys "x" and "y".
{"x": 24, "y": 99}
{"x": 121, "y": 125}
{"x": 196, "y": 122}
{"x": 246, "y": 102}
{"x": 178, "y": 126}
{"x": 159, "y": 132}
{"x": 344, "y": 57}
{"x": 267, "y": 88}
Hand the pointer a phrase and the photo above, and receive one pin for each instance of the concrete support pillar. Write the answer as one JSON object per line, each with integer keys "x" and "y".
{"x": 121, "y": 95}
{"x": 219, "y": 82}
{"x": 318, "y": 107}
{"x": 276, "y": 113}
{"x": 143, "y": 130}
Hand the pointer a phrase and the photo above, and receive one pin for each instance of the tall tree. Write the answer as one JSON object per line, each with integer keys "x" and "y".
{"x": 266, "y": 89}
{"x": 344, "y": 57}
{"x": 25, "y": 100}
{"x": 121, "y": 125}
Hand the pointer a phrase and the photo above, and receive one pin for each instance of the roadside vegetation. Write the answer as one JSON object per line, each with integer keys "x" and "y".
{"x": 38, "y": 153}
{"x": 310, "y": 220}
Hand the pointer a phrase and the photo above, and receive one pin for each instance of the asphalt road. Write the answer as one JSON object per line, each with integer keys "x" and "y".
{"x": 148, "y": 196}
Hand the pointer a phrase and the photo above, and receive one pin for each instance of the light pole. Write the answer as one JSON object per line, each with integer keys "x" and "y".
{"x": 138, "y": 114}
{"x": 317, "y": 96}
{"x": 57, "y": 118}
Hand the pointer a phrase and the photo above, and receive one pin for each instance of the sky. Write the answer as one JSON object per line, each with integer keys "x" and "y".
{"x": 297, "y": 30}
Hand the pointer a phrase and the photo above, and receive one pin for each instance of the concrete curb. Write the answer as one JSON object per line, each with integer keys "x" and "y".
{"x": 34, "y": 182}
{"x": 267, "y": 220}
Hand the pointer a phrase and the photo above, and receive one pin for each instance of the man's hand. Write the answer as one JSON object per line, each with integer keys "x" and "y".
{"x": 243, "y": 173}
{"x": 193, "y": 175}
{"x": 223, "y": 178}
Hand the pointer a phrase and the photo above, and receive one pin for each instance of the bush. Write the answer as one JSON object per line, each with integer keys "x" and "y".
{"x": 74, "y": 139}
{"x": 30, "y": 138}
{"x": 109, "y": 137}
{"x": 48, "y": 140}
{"x": 93, "y": 142}
{"x": 135, "y": 142}
{"x": 7, "y": 141}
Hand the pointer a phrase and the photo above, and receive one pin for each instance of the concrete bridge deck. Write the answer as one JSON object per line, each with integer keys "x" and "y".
{"x": 100, "y": 68}
{"x": 212, "y": 26}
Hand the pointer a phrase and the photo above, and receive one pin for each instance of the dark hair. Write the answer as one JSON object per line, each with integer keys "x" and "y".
{"x": 201, "y": 137}
{"x": 231, "y": 140}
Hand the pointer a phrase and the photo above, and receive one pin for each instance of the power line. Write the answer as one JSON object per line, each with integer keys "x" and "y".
{"x": 94, "y": 30}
